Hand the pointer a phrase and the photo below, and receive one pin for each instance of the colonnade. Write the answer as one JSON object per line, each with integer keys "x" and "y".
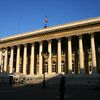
{"x": 4, "y": 60}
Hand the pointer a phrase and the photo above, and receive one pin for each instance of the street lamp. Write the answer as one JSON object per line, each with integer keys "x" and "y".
{"x": 44, "y": 56}
{"x": 99, "y": 55}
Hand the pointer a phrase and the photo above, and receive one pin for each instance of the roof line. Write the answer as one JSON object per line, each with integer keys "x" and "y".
{"x": 53, "y": 28}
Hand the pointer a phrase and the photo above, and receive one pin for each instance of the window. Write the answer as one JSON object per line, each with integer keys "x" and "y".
{"x": 37, "y": 69}
{"x": 62, "y": 66}
{"x": 54, "y": 66}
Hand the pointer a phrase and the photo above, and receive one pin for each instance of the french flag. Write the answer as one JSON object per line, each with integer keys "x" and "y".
{"x": 46, "y": 19}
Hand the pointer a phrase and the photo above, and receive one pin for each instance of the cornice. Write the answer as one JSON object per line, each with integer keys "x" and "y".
{"x": 55, "y": 28}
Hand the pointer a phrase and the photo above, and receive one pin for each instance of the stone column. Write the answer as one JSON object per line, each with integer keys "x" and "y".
{"x": 6, "y": 60}
{"x": 69, "y": 56}
{"x": 49, "y": 59}
{"x": 0, "y": 60}
{"x": 81, "y": 55}
{"x": 25, "y": 59}
{"x": 0, "y": 55}
{"x": 11, "y": 59}
{"x": 93, "y": 53}
{"x": 32, "y": 59}
{"x": 18, "y": 59}
{"x": 40, "y": 58}
{"x": 59, "y": 55}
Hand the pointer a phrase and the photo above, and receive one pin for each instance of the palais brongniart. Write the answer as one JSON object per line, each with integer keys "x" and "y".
{"x": 71, "y": 49}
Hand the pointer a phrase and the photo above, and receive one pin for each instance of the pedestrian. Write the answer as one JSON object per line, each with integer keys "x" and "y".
{"x": 10, "y": 80}
{"x": 62, "y": 88}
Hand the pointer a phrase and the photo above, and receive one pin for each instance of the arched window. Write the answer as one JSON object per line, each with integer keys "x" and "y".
{"x": 62, "y": 66}
{"x": 54, "y": 66}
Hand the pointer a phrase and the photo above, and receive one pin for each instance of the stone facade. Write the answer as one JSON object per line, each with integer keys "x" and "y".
{"x": 74, "y": 49}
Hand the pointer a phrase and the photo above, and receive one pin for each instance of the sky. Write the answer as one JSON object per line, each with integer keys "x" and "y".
{"x": 19, "y": 16}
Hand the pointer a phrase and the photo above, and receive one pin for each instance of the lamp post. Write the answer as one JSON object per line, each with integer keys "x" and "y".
{"x": 99, "y": 56}
{"x": 44, "y": 56}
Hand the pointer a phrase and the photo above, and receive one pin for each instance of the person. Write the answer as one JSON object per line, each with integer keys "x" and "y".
{"x": 10, "y": 80}
{"x": 62, "y": 88}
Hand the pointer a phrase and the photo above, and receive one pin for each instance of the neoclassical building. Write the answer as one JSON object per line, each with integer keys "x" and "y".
{"x": 72, "y": 48}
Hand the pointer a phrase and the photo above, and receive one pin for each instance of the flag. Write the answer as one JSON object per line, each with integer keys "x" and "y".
{"x": 46, "y": 19}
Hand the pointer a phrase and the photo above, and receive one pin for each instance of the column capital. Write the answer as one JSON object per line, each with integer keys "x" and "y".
{"x": 40, "y": 42}
{"x": 49, "y": 40}
{"x": 69, "y": 38}
{"x": 25, "y": 44}
{"x": 59, "y": 39}
{"x": 32, "y": 42}
{"x": 92, "y": 34}
{"x": 3, "y": 49}
{"x": 80, "y": 36}
{"x": 6, "y": 48}
{"x": 16, "y": 45}
{"x": 12, "y": 47}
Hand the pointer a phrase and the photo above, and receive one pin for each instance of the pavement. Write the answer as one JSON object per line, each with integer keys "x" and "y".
{"x": 36, "y": 92}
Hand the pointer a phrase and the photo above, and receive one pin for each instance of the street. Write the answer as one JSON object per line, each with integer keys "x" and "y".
{"x": 36, "y": 92}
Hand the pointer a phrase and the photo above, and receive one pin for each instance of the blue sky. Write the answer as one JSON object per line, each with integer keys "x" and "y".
{"x": 18, "y": 16}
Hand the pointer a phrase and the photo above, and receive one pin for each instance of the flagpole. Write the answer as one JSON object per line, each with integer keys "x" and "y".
{"x": 46, "y": 21}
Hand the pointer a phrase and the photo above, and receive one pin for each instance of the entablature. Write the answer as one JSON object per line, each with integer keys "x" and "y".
{"x": 76, "y": 28}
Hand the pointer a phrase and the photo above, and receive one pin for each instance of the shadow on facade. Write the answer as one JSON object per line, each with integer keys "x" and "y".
{"x": 31, "y": 87}
{"x": 75, "y": 81}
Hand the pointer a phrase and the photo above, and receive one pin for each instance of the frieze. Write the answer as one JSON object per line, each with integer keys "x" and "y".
{"x": 51, "y": 35}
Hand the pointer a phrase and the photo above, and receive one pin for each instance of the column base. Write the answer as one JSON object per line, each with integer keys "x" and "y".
{"x": 82, "y": 73}
{"x": 70, "y": 74}
{"x": 94, "y": 72}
